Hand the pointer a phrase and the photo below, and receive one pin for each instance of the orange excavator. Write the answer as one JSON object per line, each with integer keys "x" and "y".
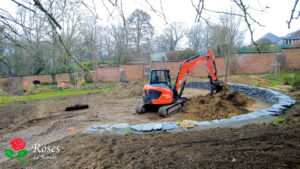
{"x": 159, "y": 93}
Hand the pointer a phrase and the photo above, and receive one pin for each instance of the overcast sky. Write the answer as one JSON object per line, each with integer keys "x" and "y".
{"x": 274, "y": 18}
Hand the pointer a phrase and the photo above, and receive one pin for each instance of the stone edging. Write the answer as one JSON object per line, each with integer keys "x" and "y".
{"x": 279, "y": 102}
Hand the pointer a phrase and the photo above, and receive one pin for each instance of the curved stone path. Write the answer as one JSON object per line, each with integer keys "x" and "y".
{"x": 279, "y": 103}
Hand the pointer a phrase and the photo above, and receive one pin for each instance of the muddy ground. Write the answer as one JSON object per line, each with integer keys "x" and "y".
{"x": 45, "y": 122}
{"x": 254, "y": 146}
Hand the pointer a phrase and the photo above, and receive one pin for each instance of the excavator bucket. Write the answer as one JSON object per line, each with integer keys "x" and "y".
{"x": 220, "y": 86}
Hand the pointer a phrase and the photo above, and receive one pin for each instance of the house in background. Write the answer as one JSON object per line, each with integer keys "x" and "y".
{"x": 285, "y": 40}
{"x": 269, "y": 37}
{"x": 291, "y": 38}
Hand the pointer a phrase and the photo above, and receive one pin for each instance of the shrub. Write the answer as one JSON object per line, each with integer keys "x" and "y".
{"x": 58, "y": 69}
{"x": 87, "y": 65}
{"x": 296, "y": 44}
{"x": 282, "y": 60}
{"x": 292, "y": 79}
{"x": 125, "y": 59}
{"x": 185, "y": 54}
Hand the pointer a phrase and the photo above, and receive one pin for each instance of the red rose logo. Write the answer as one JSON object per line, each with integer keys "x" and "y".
{"x": 17, "y": 144}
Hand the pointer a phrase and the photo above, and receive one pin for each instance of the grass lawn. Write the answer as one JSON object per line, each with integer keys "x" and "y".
{"x": 50, "y": 91}
{"x": 50, "y": 94}
{"x": 282, "y": 78}
{"x": 103, "y": 84}
{"x": 41, "y": 89}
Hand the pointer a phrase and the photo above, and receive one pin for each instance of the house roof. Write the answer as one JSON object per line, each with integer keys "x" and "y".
{"x": 292, "y": 34}
{"x": 269, "y": 36}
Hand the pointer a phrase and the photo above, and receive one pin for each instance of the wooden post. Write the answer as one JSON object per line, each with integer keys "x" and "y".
{"x": 275, "y": 69}
{"x": 95, "y": 67}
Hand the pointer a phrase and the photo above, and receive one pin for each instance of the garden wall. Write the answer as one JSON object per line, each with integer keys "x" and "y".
{"x": 292, "y": 58}
{"x": 43, "y": 78}
{"x": 246, "y": 63}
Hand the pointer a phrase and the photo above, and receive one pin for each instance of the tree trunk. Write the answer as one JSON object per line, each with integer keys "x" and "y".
{"x": 228, "y": 53}
{"x": 95, "y": 66}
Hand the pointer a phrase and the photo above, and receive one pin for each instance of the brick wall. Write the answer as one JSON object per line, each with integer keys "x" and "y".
{"x": 172, "y": 66}
{"x": 108, "y": 74}
{"x": 41, "y": 78}
{"x": 201, "y": 69}
{"x": 292, "y": 58}
{"x": 29, "y": 78}
{"x": 254, "y": 63}
{"x": 247, "y": 63}
{"x": 133, "y": 72}
{"x": 62, "y": 77}
{"x": 198, "y": 70}
{"x": 45, "y": 78}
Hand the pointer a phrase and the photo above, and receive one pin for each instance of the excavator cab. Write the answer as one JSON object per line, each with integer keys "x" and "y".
{"x": 160, "y": 76}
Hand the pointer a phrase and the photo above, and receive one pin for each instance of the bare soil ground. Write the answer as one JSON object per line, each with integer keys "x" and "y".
{"x": 45, "y": 122}
{"x": 254, "y": 146}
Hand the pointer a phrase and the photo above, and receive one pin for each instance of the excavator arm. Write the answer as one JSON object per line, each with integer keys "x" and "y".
{"x": 188, "y": 64}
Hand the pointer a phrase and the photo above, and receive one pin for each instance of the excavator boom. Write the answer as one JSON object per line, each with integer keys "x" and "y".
{"x": 188, "y": 64}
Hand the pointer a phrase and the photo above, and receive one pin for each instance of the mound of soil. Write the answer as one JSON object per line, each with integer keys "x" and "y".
{"x": 221, "y": 105}
{"x": 124, "y": 90}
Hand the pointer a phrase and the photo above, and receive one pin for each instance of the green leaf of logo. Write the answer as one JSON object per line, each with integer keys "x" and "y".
{"x": 22, "y": 153}
{"x": 9, "y": 153}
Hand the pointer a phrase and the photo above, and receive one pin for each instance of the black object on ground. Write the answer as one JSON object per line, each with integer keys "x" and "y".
{"x": 35, "y": 82}
{"x": 77, "y": 107}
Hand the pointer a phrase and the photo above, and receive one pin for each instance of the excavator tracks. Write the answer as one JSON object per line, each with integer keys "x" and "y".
{"x": 163, "y": 111}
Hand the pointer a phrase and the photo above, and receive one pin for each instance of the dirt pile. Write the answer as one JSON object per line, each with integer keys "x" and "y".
{"x": 125, "y": 90}
{"x": 224, "y": 104}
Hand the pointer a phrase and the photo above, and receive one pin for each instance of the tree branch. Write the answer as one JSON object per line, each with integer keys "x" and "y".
{"x": 19, "y": 4}
{"x": 241, "y": 5}
{"x": 159, "y": 13}
{"x": 54, "y": 23}
{"x": 16, "y": 22}
{"x": 39, "y": 5}
{"x": 94, "y": 13}
{"x": 292, "y": 14}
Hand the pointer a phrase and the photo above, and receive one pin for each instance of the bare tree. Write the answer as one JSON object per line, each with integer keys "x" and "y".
{"x": 199, "y": 37}
{"x": 140, "y": 30}
{"x": 227, "y": 36}
{"x": 120, "y": 42}
{"x": 243, "y": 12}
{"x": 108, "y": 42}
{"x": 160, "y": 43}
{"x": 172, "y": 34}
